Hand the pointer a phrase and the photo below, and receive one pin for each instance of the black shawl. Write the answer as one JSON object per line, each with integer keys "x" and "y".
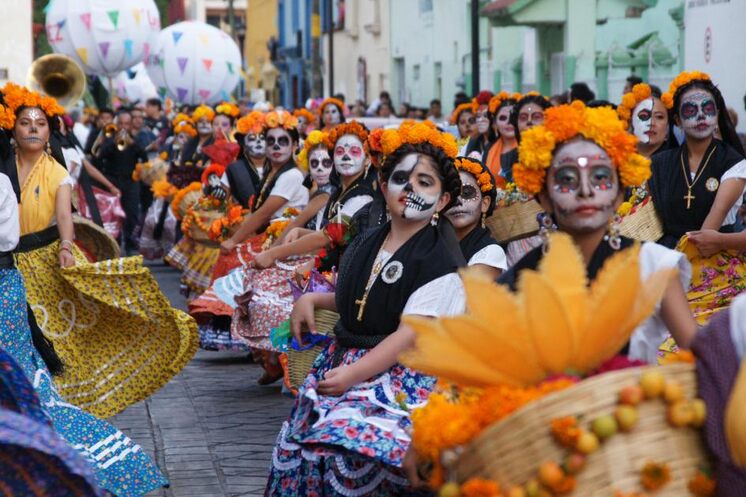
{"x": 243, "y": 180}
{"x": 476, "y": 240}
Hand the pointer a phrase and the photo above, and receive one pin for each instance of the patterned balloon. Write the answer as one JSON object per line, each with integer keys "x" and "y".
{"x": 193, "y": 62}
{"x": 104, "y": 36}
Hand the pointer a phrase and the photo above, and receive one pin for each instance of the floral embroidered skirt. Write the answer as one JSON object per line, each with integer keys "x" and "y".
{"x": 116, "y": 333}
{"x": 195, "y": 261}
{"x": 119, "y": 465}
{"x": 350, "y": 445}
{"x": 150, "y": 246}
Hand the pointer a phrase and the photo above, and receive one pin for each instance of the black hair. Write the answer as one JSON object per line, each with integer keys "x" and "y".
{"x": 633, "y": 80}
{"x": 443, "y": 164}
{"x": 727, "y": 130}
{"x": 156, "y": 102}
{"x": 539, "y": 100}
{"x": 492, "y": 194}
{"x": 460, "y": 98}
{"x": 384, "y": 94}
{"x": 340, "y": 96}
{"x": 341, "y": 113}
{"x": 435, "y": 101}
{"x": 581, "y": 91}
{"x": 600, "y": 103}
{"x": 123, "y": 110}
{"x": 106, "y": 110}
{"x": 503, "y": 104}
{"x": 656, "y": 91}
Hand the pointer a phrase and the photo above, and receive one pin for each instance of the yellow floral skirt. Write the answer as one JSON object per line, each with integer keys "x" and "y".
{"x": 195, "y": 261}
{"x": 116, "y": 333}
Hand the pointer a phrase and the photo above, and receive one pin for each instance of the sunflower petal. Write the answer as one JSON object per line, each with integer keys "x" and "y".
{"x": 564, "y": 269}
{"x": 486, "y": 300}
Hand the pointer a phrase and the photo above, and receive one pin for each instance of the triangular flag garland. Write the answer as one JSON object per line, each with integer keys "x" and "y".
{"x": 204, "y": 94}
{"x": 176, "y": 36}
{"x": 203, "y": 38}
{"x": 162, "y": 90}
{"x": 114, "y": 17}
{"x": 182, "y": 61}
{"x": 137, "y": 15}
{"x": 104, "y": 47}
{"x": 230, "y": 67}
{"x": 207, "y": 63}
{"x": 181, "y": 94}
{"x": 86, "y": 18}
{"x": 83, "y": 54}
{"x": 145, "y": 51}
{"x": 128, "y": 47}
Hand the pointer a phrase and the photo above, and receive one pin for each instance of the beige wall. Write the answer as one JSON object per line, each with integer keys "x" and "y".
{"x": 16, "y": 50}
{"x": 366, "y": 34}
{"x": 261, "y": 25}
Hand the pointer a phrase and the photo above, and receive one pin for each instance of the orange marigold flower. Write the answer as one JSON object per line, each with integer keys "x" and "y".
{"x": 655, "y": 476}
{"x": 479, "y": 487}
{"x": 679, "y": 81}
{"x": 458, "y": 110}
{"x": 530, "y": 181}
{"x": 701, "y": 485}
{"x": 566, "y": 431}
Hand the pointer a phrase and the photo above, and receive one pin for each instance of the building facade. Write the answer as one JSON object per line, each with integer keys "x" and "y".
{"x": 261, "y": 33}
{"x": 291, "y": 52}
{"x": 17, "y": 49}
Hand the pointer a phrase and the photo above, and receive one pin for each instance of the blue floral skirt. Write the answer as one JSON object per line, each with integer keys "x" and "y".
{"x": 349, "y": 445}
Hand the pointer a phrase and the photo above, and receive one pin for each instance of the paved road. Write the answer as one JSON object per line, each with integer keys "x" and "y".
{"x": 212, "y": 428}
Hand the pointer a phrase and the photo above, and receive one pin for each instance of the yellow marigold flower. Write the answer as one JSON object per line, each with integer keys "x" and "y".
{"x": 624, "y": 209}
{"x": 530, "y": 181}
{"x": 536, "y": 148}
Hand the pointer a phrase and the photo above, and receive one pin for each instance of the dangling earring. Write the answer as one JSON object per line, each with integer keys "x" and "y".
{"x": 615, "y": 237}
{"x": 546, "y": 226}
{"x": 484, "y": 217}
{"x": 49, "y": 149}
{"x": 434, "y": 219}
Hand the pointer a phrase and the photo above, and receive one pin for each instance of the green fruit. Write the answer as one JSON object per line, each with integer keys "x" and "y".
{"x": 449, "y": 489}
{"x": 605, "y": 426}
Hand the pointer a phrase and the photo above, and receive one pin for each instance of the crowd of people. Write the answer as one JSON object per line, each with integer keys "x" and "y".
{"x": 302, "y": 235}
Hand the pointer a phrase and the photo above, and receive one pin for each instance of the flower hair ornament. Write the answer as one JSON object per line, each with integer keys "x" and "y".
{"x": 15, "y": 97}
{"x": 476, "y": 169}
{"x": 562, "y": 123}
{"x": 314, "y": 139}
{"x": 185, "y": 127}
{"x": 413, "y": 133}
{"x": 458, "y": 110}
{"x": 348, "y": 128}
{"x": 280, "y": 119}
{"x": 640, "y": 92}
{"x": 331, "y": 100}
{"x": 682, "y": 79}
{"x": 306, "y": 114}
{"x": 375, "y": 147}
{"x": 203, "y": 111}
{"x": 497, "y": 100}
{"x": 228, "y": 109}
{"x": 180, "y": 118}
{"x": 251, "y": 123}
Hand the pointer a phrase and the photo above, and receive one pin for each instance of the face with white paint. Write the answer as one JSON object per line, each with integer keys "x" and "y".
{"x": 582, "y": 189}
{"x": 331, "y": 116}
{"x": 468, "y": 209}
{"x": 255, "y": 145}
{"x": 302, "y": 125}
{"x": 503, "y": 128}
{"x": 349, "y": 155}
{"x": 414, "y": 191}
{"x": 483, "y": 119}
{"x": 320, "y": 165}
{"x": 698, "y": 114}
{"x": 181, "y": 140}
{"x": 204, "y": 127}
{"x": 642, "y": 120}
{"x": 222, "y": 126}
{"x": 31, "y": 130}
{"x": 279, "y": 146}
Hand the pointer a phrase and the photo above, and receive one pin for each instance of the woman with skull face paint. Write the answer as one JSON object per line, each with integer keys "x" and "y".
{"x": 475, "y": 203}
{"x": 192, "y": 154}
{"x": 347, "y": 433}
{"x": 484, "y": 133}
{"x": 698, "y": 189}
{"x": 647, "y": 119}
{"x": 500, "y": 108}
{"x": 591, "y": 159}
{"x": 243, "y": 177}
{"x": 306, "y": 122}
{"x": 463, "y": 118}
{"x": 331, "y": 111}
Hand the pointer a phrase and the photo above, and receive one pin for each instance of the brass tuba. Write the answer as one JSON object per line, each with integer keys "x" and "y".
{"x": 57, "y": 76}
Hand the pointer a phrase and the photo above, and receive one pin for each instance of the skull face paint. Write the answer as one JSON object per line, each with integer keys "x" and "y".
{"x": 349, "y": 155}
{"x": 468, "y": 208}
{"x": 698, "y": 113}
{"x": 530, "y": 115}
{"x": 279, "y": 146}
{"x": 204, "y": 127}
{"x": 642, "y": 120}
{"x": 583, "y": 187}
{"x": 222, "y": 126}
{"x": 502, "y": 123}
{"x": 320, "y": 165}
{"x": 31, "y": 130}
{"x": 414, "y": 188}
{"x": 254, "y": 145}
{"x": 483, "y": 119}
{"x": 332, "y": 115}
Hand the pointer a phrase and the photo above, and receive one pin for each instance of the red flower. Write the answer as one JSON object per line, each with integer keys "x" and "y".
{"x": 367, "y": 451}
{"x": 336, "y": 232}
{"x": 351, "y": 432}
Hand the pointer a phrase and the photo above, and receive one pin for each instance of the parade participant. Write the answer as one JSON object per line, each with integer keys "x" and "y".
{"x": 697, "y": 190}
{"x": 577, "y": 164}
{"x": 182, "y": 171}
{"x": 118, "y": 156}
{"x": 647, "y": 118}
{"x": 156, "y": 120}
{"x": 306, "y": 121}
{"x": 226, "y": 114}
{"x": 500, "y": 108}
{"x": 475, "y": 203}
{"x": 79, "y": 305}
{"x": 118, "y": 467}
{"x": 347, "y": 432}
{"x": 104, "y": 118}
{"x": 485, "y": 134}
{"x": 463, "y": 118}
{"x": 243, "y": 177}
{"x": 331, "y": 111}
{"x": 193, "y": 153}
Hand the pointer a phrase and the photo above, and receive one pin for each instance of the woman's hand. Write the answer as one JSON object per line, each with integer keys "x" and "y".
{"x": 264, "y": 260}
{"x": 410, "y": 465}
{"x": 337, "y": 381}
{"x": 302, "y": 317}
{"x": 66, "y": 258}
{"x": 114, "y": 190}
{"x": 227, "y": 246}
{"x": 708, "y": 242}
{"x": 292, "y": 235}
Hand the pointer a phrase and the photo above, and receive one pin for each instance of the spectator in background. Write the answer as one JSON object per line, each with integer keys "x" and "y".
{"x": 460, "y": 98}
{"x": 340, "y": 97}
{"x": 384, "y": 110}
{"x": 404, "y": 109}
{"x": 143, "y": 135}
{"x": 80, "y": 130}
{"x": 581, "y": 91}
{"x": 105, "y": 117}
{"x": 436, "y": 111}
{"x": 382, "y": 97}
{"x": 358, "y": 110}
{"x": 632, "y": 80}
{"x": 558, "y": 99}
{"x": 156, "y": 120}
{"x": 244, "y": 106}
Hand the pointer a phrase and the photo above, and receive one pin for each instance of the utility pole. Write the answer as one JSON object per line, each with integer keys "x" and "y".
{"x": 330, "y": 18}
{"x": 232, "y": 19}
{"x": 474, "y": 47}
{"x": 317, "y": 82}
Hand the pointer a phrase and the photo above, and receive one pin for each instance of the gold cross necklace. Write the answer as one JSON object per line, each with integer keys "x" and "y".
{"x": 689, "y": 185}
{"x": 375, "y": 271}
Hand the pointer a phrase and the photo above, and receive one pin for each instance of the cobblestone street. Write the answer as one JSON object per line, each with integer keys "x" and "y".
{"x": 212, "y": 428}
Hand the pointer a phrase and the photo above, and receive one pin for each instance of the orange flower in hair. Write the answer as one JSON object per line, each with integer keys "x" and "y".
{"x": 348, "y": 128}
{"x": 305, "y": 113}
{"x": 640, "y": 92}
{"x": 476, "y": 169}
{"x": 280, "y": 119}
{"x": 458, "y": 110}
{"x": 228, "y": 109}
{"x": 331, "y": 100}
{"x": 498, "y": 99}
{"x": 179, "y": 118}
{"x": 185, "y": 127}
{"x": 251, "y": 123}
{"x": 203, "y": 111}
{"x": 7, "y": 118}
{"x": 16, "y": 97}
{"x": 682, "y": 79}
{"x": 416, "y": 133}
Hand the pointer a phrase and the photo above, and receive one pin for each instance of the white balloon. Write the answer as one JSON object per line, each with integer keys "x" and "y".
{"x": 193, "y": 62}
{"x": 104, "y": 36}
{"x": 134, "y": 84}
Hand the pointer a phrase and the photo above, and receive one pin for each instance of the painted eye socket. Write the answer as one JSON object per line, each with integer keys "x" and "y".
{"x": 400, "y": 178}
{"x": 471, "y": 120}
{"x": 601, "y": 177}
{"x": 537, "y": 117}
{"x": 282, "y": 141}
{"x": 502, "y": 118}
{"x": 689, "y": 110}
{"x": 356, "y": 151}
{"x": 709, "y": 108}
{"x": 339, "y": 151}
{"x": 644, "y": 115}
{"x": 468, "y": 192}
{"x": 327, "y": 163}
{"x": 566, "y": 179}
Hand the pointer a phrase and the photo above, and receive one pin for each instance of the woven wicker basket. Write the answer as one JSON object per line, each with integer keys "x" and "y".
{"x": 206, "y": 218}
{"x": 511, "y": 450}
{"x": 642, "y": 223}
{"x": 300, "y": 362}
{"x": 515, "y": 221}
{"x": 95, "y": 239}
{"x": 188, "y": 201}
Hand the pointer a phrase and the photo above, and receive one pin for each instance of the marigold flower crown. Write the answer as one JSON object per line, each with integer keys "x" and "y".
{"x": 682, "y": 79}
{"x": 251, "y": 123}
{"x": 203, "y": 111}
{"x": 279, "y": 119}
{"x": 228, "y": 109}
{"x": 348, "y": 128}
{"x": 313, "y": 140}
{"x": 562, "y": 123}
{"x": 180, "y": 118}
{"x": 310, "y": 118}
{"x": 476, "y": 169}
{"x": 15, "y": 97}
{"x": 375, "y": 147}
{"x": 640, "y": 92}
{"x": 331, "y": 100}
{"x": 185, "y": 127}
{"x": 497, "y": 100}
{"x": 414, "y": 133}
{"x": 458, "y": 110}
